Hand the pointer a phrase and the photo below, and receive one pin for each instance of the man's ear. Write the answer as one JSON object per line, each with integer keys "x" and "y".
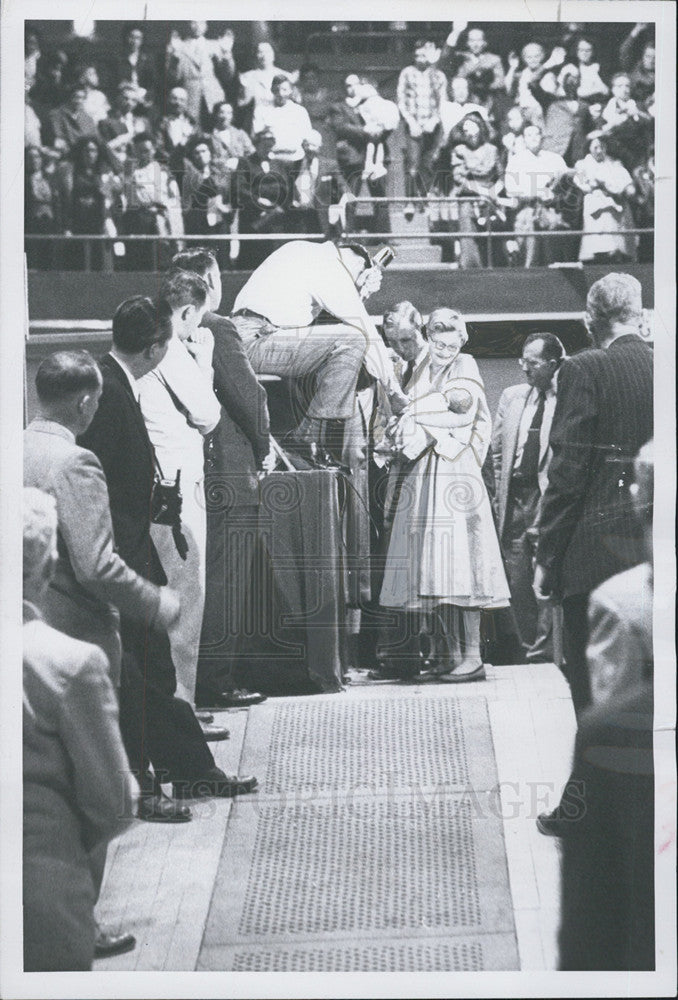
{"x": 82, "y": 402}
{"x": 186, "y": 312}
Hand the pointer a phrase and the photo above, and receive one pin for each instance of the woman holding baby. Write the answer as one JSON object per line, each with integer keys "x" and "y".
{"x": 443, "y": 558}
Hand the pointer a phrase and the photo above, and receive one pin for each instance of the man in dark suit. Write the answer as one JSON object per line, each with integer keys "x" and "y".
{"x": 587, "y": 528}
{"x": 238, "y": 448}
{"x": 158, "y": 728}
{"x": 521, "y": 453}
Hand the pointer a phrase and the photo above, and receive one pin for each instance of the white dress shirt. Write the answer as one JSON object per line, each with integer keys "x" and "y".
{"x": 177, "y": 434}
{"x": 529, "y": 175}
{"x": 300, "y": 280}
{"x": 290, "y": 125}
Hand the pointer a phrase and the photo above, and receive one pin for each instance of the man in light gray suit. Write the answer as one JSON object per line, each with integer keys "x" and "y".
{"x": 520, "y": 450}
{"x": 91, "y": 584}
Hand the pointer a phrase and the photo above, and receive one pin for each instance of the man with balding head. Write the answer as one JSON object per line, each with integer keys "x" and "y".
{"x": 587, "y": 528}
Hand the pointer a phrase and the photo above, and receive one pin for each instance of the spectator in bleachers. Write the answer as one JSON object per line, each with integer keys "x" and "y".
{"x": 531, "y": 178}
{"x": 512, "y": 129}
{"x": 455, "y": 110}
{"x": 590, "y": 82}
{"x": 476, "y": 167}
{"x": 352, "y": 139}
{"x": 643, "y": 205}
{"x": 621, "y": 107}
{"x": 304, "y": 213}
{"x": 313, "y": 95}
{"x": 123, "y": 123}
{"x": 641, "y": 69}
{"x": 175, "y": 130}
{"x": 491, "y": 101}
{"x": 566, "y": 120}
{"x": 206, "y": 191}
{"x": 32, "y": 124}
{"x": 288, "y": 121}
{"x": 256, "y": 84}
{"x": 42, "y": 207}
{"x": 96, "y": 103}
{"x": 228, "y": 143}
{"x": 422, "y": 89}
{"x": 49, "y": 90}
{"x": 608, "y": 188}
{"x": 476, "y": 57}
{"x": 191, "y": 64}
{"x": 537, "y": 71}
{"x": 262, "y": 197}
{"x": 70, "y": 122}
{"x": 91, "y": 199}
{"x": 135, "y": 65}
{"x": 153, "y": 202}
{"x": 380, "y": 118}
{"x": 32, "y": 53}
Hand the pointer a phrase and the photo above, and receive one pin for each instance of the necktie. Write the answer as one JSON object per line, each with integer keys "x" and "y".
{"x": 407, "y": 374}
{"x": 529, "y": 463}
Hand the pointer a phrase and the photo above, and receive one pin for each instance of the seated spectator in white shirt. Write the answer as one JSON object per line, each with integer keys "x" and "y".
{"x": 227, "y": 142}
{"x": 288, "y": 121}
{"x": 530, "y": 179}
{"x": 621, "y": 105}
{"x": 96, "y": 103}
{"x": 119, "y": 128}
{"x": 179, "y": 407}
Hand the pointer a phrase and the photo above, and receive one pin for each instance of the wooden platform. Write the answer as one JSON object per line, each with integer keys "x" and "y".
{"x": 160, "y": 879}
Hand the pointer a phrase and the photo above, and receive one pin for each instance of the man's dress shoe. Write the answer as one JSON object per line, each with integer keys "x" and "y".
{"x": 106, "y": 943}
{"x": 238, "y": 698}
{"x": 214, "y": 734}
{"x": 552, "y": 824}
{"x": 162, "y": 809}
{"x": 215, "y": 784}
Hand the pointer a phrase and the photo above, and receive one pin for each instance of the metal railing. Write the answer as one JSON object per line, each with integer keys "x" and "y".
{"x": 397, "y": 43}
{"x": 110, "y": 245}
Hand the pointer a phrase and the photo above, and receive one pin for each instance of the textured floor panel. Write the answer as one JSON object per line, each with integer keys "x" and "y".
{"x": 375, "y": 843}
{"x": 490, "y": 953}
{"x": 333, "y": 746}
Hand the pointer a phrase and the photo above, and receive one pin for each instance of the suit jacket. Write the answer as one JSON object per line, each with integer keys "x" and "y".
{"x": 607, "y": 897}
{"x": 91, "y": 581}
{"x": 504, "y": 444}
{"x": 587, "y": 529}
{"x": 119, "y": 439}
{"x": 240, "y": 441}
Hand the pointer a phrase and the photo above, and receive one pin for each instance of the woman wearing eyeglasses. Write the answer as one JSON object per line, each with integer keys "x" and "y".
{"x": 443, "y": 557}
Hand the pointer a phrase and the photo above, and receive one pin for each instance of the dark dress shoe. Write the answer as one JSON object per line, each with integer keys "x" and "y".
{"x": 552, "y": 824}
{"x": 161, "y": 809}
{"x": 232, "y": 699}
{"x": 106, "y": 943}
{"x": 214, "y": 784}
{"x": 213, "y": 734}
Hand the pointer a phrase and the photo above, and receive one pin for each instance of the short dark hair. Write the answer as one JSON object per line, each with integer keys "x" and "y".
{"x": 138, "y": 323}
{"x": 182, "y": 288}
{"x": 279, "y": 79}
{"x": 65, "y": 373}
{"x": 552, "y": 348}
{"x": 198, "y": 260}
{"x": 358, "y": 249}
{"x": 403, "y": 312}
{"x": 194, "y": 142}
{"x": 421, "y": 43}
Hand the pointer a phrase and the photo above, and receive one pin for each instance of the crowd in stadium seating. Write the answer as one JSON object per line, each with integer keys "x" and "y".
{"x": 187, "y": 142}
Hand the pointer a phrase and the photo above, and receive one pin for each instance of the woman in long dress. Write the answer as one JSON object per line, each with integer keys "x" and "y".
{"x": 444, "y": 555}
{"x": 607, "y": 187}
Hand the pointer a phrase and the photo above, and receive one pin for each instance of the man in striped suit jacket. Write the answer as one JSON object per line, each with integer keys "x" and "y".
{"x": 603, "y": 416}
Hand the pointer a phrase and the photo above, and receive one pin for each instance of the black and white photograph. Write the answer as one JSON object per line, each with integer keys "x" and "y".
{"x": 337, "y": 496}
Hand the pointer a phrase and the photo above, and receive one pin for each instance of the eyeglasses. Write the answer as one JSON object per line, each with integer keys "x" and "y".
{"x": 441, "y": 346}
{"x": 530, "y": 365}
